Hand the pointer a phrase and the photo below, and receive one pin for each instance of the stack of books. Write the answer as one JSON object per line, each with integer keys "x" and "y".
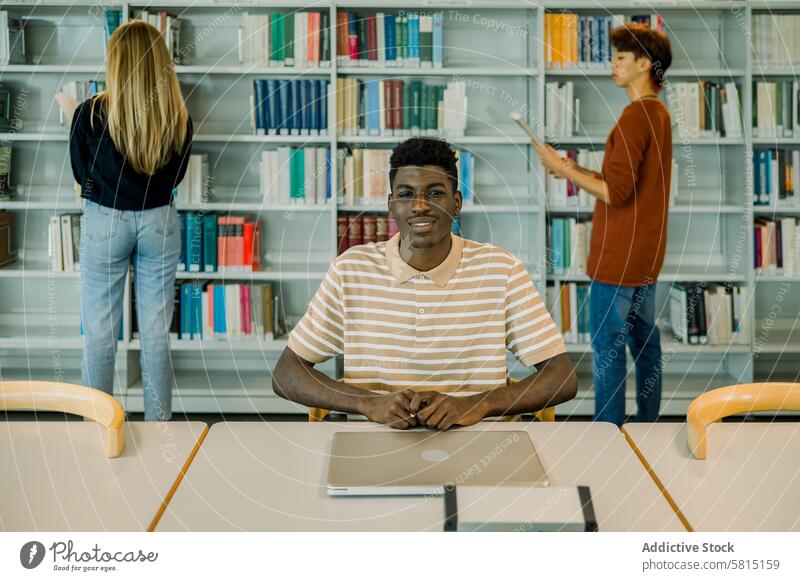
{"x": 776, "y": 177}
{"x": 293, "y": 175}
{"x": 196, "y": 186}
{"x": 777, "y": 246}
{"x": 775, "y": 109}
{"x": 562, "y": 110}
{"x": 400, "y": 108}
{"x": 568, "y": 304}
{"x": 406, "y": 39}
{"x": 219, "y": 243}
{"x": 568, "y": 245}
{"x": 701, "y": 313}
{"x": 775, "y": 41}
{"x": 169, "y": 26}
{"x": 63, "y": 243}
{"x": 289, "y": 106}
{"x": 292, "y": 39}
{"x": 564, "y": 193}
{"x": 706, "y": 109}
{"x": 355, "y": 229}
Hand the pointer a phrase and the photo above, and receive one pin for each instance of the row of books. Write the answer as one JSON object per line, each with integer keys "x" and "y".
{"x": 294, "y": 175}
{"x": 776, "y": 40}
{"x": 571, "y": 40}
{"x": 213, "y": 242}
{"x": 63, "y": 242}
{"x": 776, "y": 246}
{"x": 197, "y": 185}
{"x": 363, "y": 176}
{"x": 775, "y": 109}
{"x": 703, "y": 313}
{"x": 355, "y": 229}
{"x": 562, "y": 109}
{"x": 407, "y": 39}
{"x": 5, "y": 173}
{"x": 12, "y": 38}
{"x": 568, "y": 304}
{"x": 776, "y": 177}
{"x": 706, "y": 109}
{"x": 289, "y": 106}
{"x": 561, "y": 192}
{"x": 291, "y": 39}
{"x": 400, "y": 108}
{"x": 207, "y": 311}
{"x": 568, "y": 245}
{"x": 169, "y": 26}
{"x": 80, "y": 91}
{"x": 113, "y": 19}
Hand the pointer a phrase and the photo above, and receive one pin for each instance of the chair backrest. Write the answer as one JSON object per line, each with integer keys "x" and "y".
{"x": 55, "y": 396}
{"x": 735, "y": 399}
{"x": 543, "y": 415}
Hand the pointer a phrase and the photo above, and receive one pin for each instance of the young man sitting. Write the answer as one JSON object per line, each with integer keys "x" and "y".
{"x": 424, "y": 320}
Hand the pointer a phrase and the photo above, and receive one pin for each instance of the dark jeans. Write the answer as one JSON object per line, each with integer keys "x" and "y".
{"x": 620, "y": 316}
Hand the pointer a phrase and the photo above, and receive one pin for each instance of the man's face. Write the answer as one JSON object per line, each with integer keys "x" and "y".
{"x": 625, "y": 67}
{"x": 423, "y": 204}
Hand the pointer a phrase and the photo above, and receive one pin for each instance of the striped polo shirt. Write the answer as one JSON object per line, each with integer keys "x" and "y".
{"x": 447, "y": 329}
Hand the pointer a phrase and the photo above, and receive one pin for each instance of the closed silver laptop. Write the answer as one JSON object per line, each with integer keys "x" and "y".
{"x": 422, "y": 462}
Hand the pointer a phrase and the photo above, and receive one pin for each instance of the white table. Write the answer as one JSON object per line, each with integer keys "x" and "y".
{"x": 272, "y": 477}
{"x": 55, "y": 475}
{"x": 750, "y": 480}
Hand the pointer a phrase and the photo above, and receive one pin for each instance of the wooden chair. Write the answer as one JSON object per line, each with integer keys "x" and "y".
{"x": 735, "y": 399}
{"x": 55, "y": 396}
{"x": 543, "y": 415}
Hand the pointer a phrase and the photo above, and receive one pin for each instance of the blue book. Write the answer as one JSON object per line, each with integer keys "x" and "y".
{"x": 274, "y": 99}
{"x": 210, "y": 242}
{"x": 196, "y": 311}
{"x": 389, "y": 37}
{"x": 438, "y": 39}
{"x": 598, "y": 38}
{"x": 328, "y": 192}
{"x": 413, "y": 37}
{"x": 297, "y": 111}
{"x": 768, "y": 174}
{"x": 757, "y": 179}
{"x": 258, "y": 105}
{"x": 373, "y": 112}
{"x": 284, "y": 106}
{"x": 301, "y": 106}
{"x": 455, "y": 228}
{"x": 263, "y": 87}
{"x": 313, "y": 107}
{"x": 194, "y": 241}
{"x": 323, "y": 118}
{"x": 220, "y": 330}
{"x": 186, "y": 302}
{"x": 182, "y": 226}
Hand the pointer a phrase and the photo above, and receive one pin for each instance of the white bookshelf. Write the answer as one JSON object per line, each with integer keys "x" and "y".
{"x": 711, "y": 224}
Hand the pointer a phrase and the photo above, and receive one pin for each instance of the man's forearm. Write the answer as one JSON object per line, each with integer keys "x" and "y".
{"x": 297, "y": 380}
{"x": 589, "y": 182}
{"x": 554, "y": 383}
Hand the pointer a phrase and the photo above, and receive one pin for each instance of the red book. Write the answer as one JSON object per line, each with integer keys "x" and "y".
{"x": 388, "y": 105}
{"x": 341, "y": 233}
{"x": 382, "y": 228}
{"x": 244, "y": 298}
{"x": 758, "y": 245}
{"x": 397, "y": 100}
{"x": 355, "y": 231}
{"x": 248, "y": 229}
{"x": 342, "y": 42}
{"x": 370, "y": 229}
{"x": 372, "y": 37}
{"x": 236, "y": 245}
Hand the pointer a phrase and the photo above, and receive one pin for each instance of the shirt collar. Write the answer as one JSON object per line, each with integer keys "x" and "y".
{"x": 441, "y": 275}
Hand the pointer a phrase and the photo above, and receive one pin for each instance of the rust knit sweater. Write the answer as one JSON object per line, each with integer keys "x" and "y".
{"x": 629, "y": 234}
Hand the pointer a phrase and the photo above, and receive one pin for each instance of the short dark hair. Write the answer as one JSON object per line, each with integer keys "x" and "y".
{"x": 643, "y": 41}
{"x": 420, "y": 151}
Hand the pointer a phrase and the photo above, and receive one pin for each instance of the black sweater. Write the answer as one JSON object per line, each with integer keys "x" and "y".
{"x": 106, "y": 178}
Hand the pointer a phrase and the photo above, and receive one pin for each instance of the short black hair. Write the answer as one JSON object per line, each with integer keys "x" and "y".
{"x": 643, "y": 41}
{"x": 421, "y": 151}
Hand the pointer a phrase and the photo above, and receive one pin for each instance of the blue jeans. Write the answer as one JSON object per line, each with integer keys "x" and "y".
{"x": 110, "y": 240}
{"x": 620, "y": 316}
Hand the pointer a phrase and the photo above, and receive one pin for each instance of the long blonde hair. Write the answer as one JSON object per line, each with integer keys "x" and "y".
{"x": 146, "y": 113}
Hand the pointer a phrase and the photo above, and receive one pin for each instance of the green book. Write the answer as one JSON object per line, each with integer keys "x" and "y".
{"x": 274, "y": 38}
{"x": 426, "y": 40}
{"x": 398, "y": 37}
{"x": 297, "y": 173}
{"x": 416, "y": 104}
{"x": 403, "y": 42}
{"x": 288, "y": 44}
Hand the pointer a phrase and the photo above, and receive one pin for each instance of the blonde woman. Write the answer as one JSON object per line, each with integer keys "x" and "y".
{"x": 130, "y": 147}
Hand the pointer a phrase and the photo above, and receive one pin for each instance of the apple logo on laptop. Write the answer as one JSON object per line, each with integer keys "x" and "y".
{"x": 434, "y": 455}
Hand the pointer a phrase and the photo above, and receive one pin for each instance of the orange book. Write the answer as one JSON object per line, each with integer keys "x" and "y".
{"x": 251, "y": 245}
{"x": 558, "y": 23}
{"x": 236, "y": 244}
{"x": 565, "y": 314}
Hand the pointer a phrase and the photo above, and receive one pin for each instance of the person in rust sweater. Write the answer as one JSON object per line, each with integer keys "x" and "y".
{"x": 629, "y": 227}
